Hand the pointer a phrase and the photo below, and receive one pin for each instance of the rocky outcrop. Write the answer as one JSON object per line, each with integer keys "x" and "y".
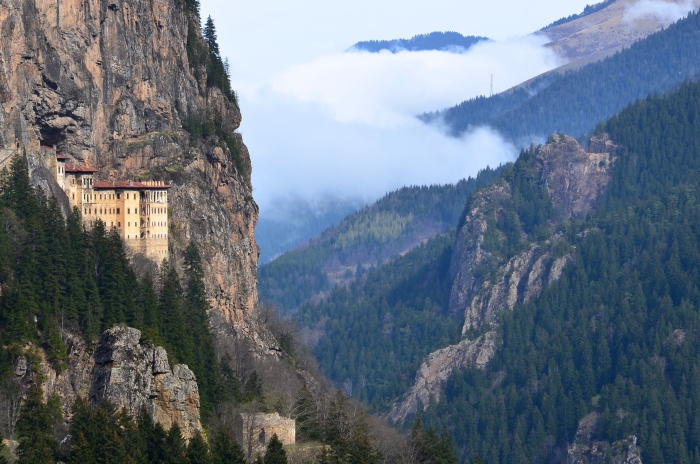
{"x": 68, "y": 383}
{"x": 438, "y": 367}
{"x": 109, "y": 84}
{"x": 135, "y": 375}
{"x": 573, "y": 178}
{"x": 487, "y": 283}
{"x": 586, "y": 450}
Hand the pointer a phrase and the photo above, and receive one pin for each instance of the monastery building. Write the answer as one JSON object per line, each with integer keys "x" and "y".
{"x": 137, "y": 210}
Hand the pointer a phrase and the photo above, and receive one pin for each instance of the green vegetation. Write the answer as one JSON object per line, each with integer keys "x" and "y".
{"x": 371, "y": 236}
{"x": 377, "y": 331}
{"x": 589, "y": 9}
{"x": 111, "y": 436}
{"x": 577, "y": 101}
{"x": 433, "y": 41}
{"x": 203, "y": 52}
{"x": 617, "y": 334}
{"x": 57, "y": 275}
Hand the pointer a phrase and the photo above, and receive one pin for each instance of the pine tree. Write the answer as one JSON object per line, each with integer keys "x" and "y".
{"x": 35, "y": 431}
{"x": 275, "y": 453}
{"x": 173, "y": 327}
{"x": 198, "y": 451}
{"x": 210, "y": 37}
{"x": 3, "y": 459}
{"x": 225, "y": 449}
{"x": 175, "y": 446}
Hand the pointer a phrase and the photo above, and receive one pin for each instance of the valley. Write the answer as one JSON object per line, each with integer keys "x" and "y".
{"x": 544, "y": 309}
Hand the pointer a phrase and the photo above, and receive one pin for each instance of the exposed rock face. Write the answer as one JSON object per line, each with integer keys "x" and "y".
{"x": 438, "y": 367}
{"x": 486, "y": 284}
{"x": 109, "y": 83}
{"x": 135, "y": 375}
{"x": 574, "y": 178}
{"x": 586, "y": 450}
{"x": 69, "y": 383}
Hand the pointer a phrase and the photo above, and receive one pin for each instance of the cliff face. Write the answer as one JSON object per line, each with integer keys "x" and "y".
{"x": 108, "y": 82}
{"x": 585, "y": 450}
{"x": 124, "y": 370}
{"x": 486, "y": 283}
{"x": 135, "y": 375}
{"x": 573, "y": 178}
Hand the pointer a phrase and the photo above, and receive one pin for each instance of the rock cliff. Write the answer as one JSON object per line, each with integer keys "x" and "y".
{"x": 122, "y": 369}
{"x": 135, "y": 375}
{"x": 573, "y": 178}
{"x": 486, "y": 282}
{"x": 109, "y": 84}
{"x": 585, "y": 450}
{"x": 438, "y": 367}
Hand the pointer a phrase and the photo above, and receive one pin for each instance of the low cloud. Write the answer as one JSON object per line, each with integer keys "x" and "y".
{"x": 383, "y": 89}
{"x": 665, "y": 11}
{"x": 344, "y": 124}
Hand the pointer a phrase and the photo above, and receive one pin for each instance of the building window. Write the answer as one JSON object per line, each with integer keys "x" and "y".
{"x": 118, "y": 210}
{"x": 74, "y": 196}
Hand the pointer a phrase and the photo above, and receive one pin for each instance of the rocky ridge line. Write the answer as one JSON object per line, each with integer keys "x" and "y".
{"x": 485, "y": 284}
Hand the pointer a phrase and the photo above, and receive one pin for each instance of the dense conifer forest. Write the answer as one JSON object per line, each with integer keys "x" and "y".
{"x": 577, "y": 101}
{"x": 381, "y": 230}
{"x": 618, "y": 333}
{"x": 448, "y": 41}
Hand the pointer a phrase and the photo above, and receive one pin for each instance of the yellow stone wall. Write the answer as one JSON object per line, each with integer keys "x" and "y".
{"x": 137, "y": 210}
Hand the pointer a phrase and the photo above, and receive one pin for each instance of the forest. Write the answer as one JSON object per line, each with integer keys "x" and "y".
{"x": 617, "y": 335}
{"x": 446, "y": 41}
{"x": 373, "y": 235}
{"x": 575, "y": 102}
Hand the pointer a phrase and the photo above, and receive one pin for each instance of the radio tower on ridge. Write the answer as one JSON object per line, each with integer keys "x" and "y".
{"x": 491, "y": 86}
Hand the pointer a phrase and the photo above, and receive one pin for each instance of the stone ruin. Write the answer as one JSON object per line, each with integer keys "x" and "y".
{"x": 254, "y": 431}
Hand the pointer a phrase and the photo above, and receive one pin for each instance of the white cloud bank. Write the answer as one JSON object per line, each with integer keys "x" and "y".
{"x": 344, "y": 123}
{"x": 665, "y": 11}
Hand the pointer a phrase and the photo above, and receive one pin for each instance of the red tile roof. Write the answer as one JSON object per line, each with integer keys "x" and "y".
{"x": 74, "y": 168}
{"x": 61, "y": 157}
{"x": 152, "y": 185}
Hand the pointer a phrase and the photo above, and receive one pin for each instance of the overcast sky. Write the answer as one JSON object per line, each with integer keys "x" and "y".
{"x": 319, "y": 121}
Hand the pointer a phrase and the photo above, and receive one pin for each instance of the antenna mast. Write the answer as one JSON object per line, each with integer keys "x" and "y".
{"x": 491, "y": 86}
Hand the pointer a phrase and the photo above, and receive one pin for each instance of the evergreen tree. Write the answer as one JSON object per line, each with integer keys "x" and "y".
{"x": 275, "y": 454}
{"x": 173, "y": 327}
{"x": 3, "y": 459}
{"x": 225, "y": 449}
{"x": 198, "y": 451}
{"x": 210, "y": 37}
{"x": 35, "y": 431}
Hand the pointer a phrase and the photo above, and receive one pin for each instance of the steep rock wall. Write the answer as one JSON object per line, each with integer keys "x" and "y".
{"x": 486, "y": 284}
{"x": 108, "y": 82}
{"x": 135, "y": 375}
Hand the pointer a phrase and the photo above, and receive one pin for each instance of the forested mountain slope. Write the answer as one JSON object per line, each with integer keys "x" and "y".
{"x": 610, "y": 349}
{"x": 374, "y": 235}
{"x": 577, "y": 101}
{"x": 446, "y": 41}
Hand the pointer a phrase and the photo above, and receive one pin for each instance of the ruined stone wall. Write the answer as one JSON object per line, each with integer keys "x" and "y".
{"x": 254, "y": 431}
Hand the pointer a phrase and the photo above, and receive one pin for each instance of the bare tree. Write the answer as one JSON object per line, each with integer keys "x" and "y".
{"x": 250, "y": 426}
{"x": 10, "y": 404}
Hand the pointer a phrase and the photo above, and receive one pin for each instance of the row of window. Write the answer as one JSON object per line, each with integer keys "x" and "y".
{"x": 106, "y": 211}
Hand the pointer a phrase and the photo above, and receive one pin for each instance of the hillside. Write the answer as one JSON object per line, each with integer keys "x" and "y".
{"x": 606, "y": 27}
{"x": 374, "y": 235}
{"x": 578, "y": 100}
{"x": 445, "y": 41}
{"x": 574, "y": 275}
{"x": 615, "y": 334}
{"x": 292, "y": 221}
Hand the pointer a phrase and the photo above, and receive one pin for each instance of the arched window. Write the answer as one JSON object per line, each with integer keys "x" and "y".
{"x": 261, "y": 437}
